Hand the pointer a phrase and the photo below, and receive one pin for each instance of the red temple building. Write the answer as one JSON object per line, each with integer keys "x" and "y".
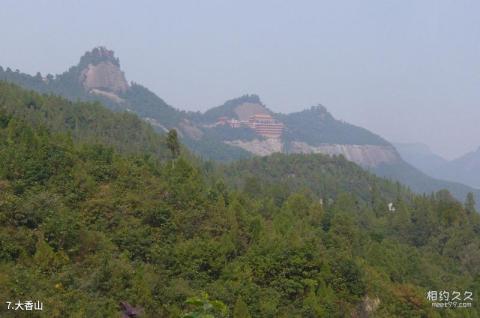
{"x": 265, "y": 125}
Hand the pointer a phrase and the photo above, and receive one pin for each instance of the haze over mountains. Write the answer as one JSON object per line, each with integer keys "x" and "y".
{"x": 465, "y": 169}
{"x": 238, "y": 129}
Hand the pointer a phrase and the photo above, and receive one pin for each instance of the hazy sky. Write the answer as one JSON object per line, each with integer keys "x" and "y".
{"x": 408, "y": 70}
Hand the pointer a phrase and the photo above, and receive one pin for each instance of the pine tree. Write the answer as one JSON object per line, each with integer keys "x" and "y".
{"x": 173, "y": 143}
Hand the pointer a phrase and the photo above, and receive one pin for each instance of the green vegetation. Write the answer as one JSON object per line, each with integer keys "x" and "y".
{"x": 205, "y": 308}
{"x": 173, "y": 144}
{"x": 226, "y": 133}
{"x": 86, "y": 224}
{"x": 214, "y": 149}
{"x": 85, "y": 122}
{"x": 66, "y": 84}
{"x": 137, "y": 98}
{"x": 324, "y": 176}
{"x": 421, "y": 183}
{"x": 314, "y": 126}
{"x": 146, "y": 104}
{"x": 317, "y": 126}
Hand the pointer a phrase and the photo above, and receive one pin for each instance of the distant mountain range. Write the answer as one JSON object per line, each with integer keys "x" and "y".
{"x": 465, "y": 169}
{"x": 240, "y": 128}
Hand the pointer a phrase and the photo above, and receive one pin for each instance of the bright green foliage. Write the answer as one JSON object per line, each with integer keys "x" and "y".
{"x": 203, "y": 307}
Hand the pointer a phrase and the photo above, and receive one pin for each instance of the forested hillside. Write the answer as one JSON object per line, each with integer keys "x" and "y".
{"x": 86, "y": 224}
{"x": 323, "y": 176}
{"x": 86, "y": 122}
{"x": 317, "y": 126}
{"x": 98, "y": 77}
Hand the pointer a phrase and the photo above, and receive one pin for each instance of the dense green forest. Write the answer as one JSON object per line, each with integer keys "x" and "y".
{"x": 86, "y": 122}
{"x": 103, "y": 211}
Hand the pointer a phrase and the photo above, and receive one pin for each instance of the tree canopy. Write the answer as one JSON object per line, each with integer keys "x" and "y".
{"x": 87, "y": 225}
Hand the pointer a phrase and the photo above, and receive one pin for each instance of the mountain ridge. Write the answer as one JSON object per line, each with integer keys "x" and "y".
{"x": 240, "y": 128}
{"x": 464, "y": 169}
{"x": 98, "y": 76}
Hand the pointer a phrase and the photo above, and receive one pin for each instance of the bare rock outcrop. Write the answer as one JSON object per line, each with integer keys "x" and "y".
{"x": 104, "y": 76}
{"x": 261, "y": 147}
{"x": 363, "y": 155}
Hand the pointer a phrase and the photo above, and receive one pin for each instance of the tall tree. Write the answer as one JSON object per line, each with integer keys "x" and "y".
{"x": 172, "y": 143}
{"x": 470, "y": 203}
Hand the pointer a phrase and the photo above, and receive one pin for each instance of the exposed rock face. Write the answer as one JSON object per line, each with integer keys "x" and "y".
{"x": 99, "y": 73}
{"x": 106, "y": 94}
{"x": 364, "y": 155}
{"x": 104, "y": 76}
{"x": 259, "y": 147}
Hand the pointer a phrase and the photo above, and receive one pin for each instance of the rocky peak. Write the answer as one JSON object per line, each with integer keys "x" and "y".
{"x": 98, "y": 55}
{"x": 100, "y": 72}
